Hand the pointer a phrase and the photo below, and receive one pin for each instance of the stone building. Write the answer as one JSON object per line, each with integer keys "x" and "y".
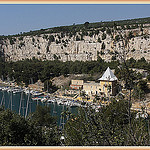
{"x": 106, "y": 86}
{"x": 108, "y": 83}
{"x": 76, "y": 84}
{"x": 91, "y": 88}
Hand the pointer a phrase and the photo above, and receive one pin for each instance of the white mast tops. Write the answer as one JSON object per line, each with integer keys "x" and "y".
{"x": 108, "y": 76}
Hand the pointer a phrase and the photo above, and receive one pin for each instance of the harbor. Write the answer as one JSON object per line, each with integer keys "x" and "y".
{"x": 24, "y": 101}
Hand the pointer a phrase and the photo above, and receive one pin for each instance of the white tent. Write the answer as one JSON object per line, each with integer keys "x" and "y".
{"x": 108, "y": 76}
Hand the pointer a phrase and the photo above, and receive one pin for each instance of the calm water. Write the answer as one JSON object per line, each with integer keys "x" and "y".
{"x": 6, "y": 98}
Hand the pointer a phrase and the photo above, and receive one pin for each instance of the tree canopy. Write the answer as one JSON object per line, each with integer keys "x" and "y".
{"x": 38, "y": 129}
{"x": 108, "y": 127}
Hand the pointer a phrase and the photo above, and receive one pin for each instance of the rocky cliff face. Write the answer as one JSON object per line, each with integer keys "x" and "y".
{"x": 110, "y": 46}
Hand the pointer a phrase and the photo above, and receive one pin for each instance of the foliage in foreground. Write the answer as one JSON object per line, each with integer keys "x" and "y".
{"x": 112, "y": 126}
{"x": 39, "y": 129}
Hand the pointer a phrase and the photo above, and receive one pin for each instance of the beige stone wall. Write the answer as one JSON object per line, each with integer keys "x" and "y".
{"x": 104, "y": 85}
{"x": 91, "y": 88}
{"x": 77, "y": 82}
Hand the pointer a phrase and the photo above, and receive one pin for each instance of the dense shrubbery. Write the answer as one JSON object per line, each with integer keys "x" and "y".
{"x": 44, "y": 70}
{"x": 113, "y": 125}
{"x": 38, "y": 129}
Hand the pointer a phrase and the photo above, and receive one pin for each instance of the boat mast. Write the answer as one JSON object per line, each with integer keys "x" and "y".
{"x": 2, "y": 78}
{"x": 20, "y": 103}
{"x": 23, "y": 107}
{"x": 62, "y": 119}
{"x": 54, "y": 108}
{"x": 47, "y": 86}
{"x": 27, "y": 103}
{"x": 3, "y": 99}
{"x": 63, "y": 123}
{"x": 30, "y": 102}
{"x": 30, "y": 105}
{"x": 37, "y": 102}
{"x": 69, "y": 112}
{"x": 11, "y": 101}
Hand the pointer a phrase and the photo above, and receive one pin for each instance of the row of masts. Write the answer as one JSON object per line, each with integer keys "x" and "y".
{"x": 10, "y": 104}
{"x": 25, "y": 108}
{"x": 22, "y": 103}
{"x": 22, "y": 107}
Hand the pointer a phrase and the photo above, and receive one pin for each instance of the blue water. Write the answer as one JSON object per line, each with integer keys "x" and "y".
{"x": 6, "y": 98}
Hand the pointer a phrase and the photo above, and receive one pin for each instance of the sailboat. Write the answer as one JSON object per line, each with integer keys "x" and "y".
{"x": 54, "y": 108}
{"x": 3, "y": 100}
{"x": 27, "y": 104}
{"x": 62, "y": 119}
{"x": 11, "y": 99}
{"x": 22, "y": 105}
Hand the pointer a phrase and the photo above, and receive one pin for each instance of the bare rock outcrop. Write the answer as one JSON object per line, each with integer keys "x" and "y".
{"x": 131, "y": 43}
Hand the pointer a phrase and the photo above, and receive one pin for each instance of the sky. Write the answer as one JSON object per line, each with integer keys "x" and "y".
{"x": 16, "y": 18}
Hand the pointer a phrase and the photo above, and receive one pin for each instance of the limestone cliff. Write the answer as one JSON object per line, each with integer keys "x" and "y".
{"x": 110, "y": 45}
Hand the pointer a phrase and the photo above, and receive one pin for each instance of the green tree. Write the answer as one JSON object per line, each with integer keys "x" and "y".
{"x": 108, "y": 31}
{"x": 117, "y": 38}
{"x": 77, "y": 38}
{"x": 55, "y": 57}
{"x": 51, "y": 38}
{"x": 41, "y": 117}
{"x": 15, "y": 130}
{"x": 33, "y": 40}
{"x": 38, "y": 129}
{"x": 103, "y": 36}
{"x": 103, "y": 128}
{"x": 103, "y": 46}
{"x": 130, "y": 35}
{"x": 148, "y": 77}
{"x": 142, "y": 85}
{"x": 108, "y": 127}
{"x": 86, "y": 24}
{"x": 99, "y": 40}
{"x": 42, "y": 120}
{"x": 48, "y": 86}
